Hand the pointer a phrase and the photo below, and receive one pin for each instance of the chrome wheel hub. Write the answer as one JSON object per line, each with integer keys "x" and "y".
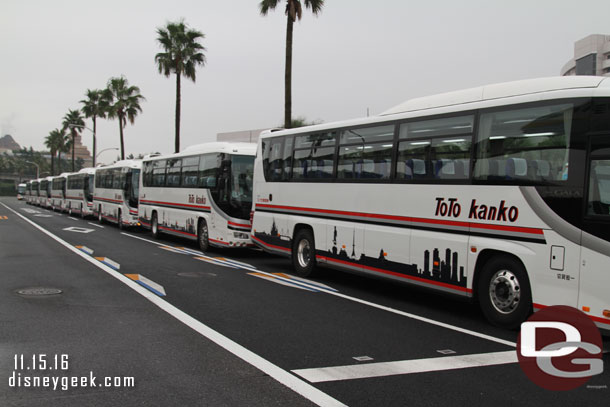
{"x": 505, "y": 291}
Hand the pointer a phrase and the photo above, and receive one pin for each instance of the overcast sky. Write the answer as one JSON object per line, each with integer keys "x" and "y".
{"x": 356, "y": 55}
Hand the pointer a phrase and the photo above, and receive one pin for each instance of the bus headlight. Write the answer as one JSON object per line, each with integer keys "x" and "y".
{"x": 239, "y": 235}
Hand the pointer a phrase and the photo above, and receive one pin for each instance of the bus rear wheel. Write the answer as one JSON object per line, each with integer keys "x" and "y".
{"x": 504, "y": 292}
{"x": 304, "y": 253}
{"x": 154, "y": 226}
{"x": 203, "y": 236}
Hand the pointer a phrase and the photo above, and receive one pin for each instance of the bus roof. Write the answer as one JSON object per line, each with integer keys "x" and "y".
{"x": 499, "y": 91}
{"x": 88, "y": 170}
{"x": 122, "y": 164}
{"x": 212, "y": 147}
{"x": 490, "y": 95}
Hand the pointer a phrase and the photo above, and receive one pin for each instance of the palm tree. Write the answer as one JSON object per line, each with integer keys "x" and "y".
{"x": 182, "y": 53}
{"x": 73, "y": 120}
{"x": 123, "y": 103}
{"x": 64, "y": 145}
{"x": 52, "y": 142}
{"x": 94, "y": 107}
{"x": 293, "y": 11}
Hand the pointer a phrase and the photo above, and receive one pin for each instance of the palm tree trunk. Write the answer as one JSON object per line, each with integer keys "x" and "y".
{"x": 121, "y": 133}
{"x": 73, "y": 146}
{"x": 52, "y": 162}
{"x": 94, "y": 147}
{"x": 59, "y": 160}
{"x": 177, "y": 145}
{"x": 288, "y": 76}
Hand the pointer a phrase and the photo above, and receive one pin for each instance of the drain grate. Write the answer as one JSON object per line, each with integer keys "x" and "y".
{"x": 38, "y": 291}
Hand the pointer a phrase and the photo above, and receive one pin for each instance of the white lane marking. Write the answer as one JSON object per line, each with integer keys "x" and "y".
{"x": 78, "y": 230}
{"x": 388, "y": 309}
{"x": 363, "y": 358}
{"x": 96, "y": 225}
{"x": 70, "y": 217}
{"x": 286, "y": 378}
{"x": 363, "y": 371}
{"x": 40, "y": 215}
{"x": 30, "y": 211}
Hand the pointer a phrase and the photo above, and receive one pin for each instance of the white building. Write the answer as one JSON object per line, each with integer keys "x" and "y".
{"x": 591, "y": 57}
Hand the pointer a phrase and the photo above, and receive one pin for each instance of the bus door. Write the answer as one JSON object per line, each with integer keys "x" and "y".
{"x": 88, "y": 183}
{"x": 595, "y": 251}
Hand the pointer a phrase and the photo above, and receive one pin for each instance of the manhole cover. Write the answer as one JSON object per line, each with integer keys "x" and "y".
{"x": 39, "y": 291}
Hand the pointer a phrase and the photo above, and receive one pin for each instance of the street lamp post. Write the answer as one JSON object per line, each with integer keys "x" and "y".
{"x": 37, "y": 168}
{"x": 92, "y": 132}
{"x": 106, "y": 149}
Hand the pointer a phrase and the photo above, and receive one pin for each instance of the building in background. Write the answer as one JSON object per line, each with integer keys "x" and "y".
{"x": 591, "y": 57}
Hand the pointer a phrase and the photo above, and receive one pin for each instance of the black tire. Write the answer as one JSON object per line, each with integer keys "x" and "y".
{"x": 154, "y": 226}
{"x": 100, "y": 218}
{"x": 504, "y": 292}
{"x": 120, "y": 220}
{"x": 203, "y": 235}
{"x": 304, "y": 253}
{"x": 82, "y": 213}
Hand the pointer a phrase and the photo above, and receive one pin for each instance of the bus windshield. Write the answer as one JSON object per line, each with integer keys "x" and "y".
{"x": 234, "y": 192}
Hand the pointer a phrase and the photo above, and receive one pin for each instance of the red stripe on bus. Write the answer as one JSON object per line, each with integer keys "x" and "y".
{"x": 270, "y": 245}
{"x": 594, "y": 318}
{"x": 241, "y": 225}
{"x": 176, "y": 204}
{"x": 107, "y": 199}
{"x": 519, "y": 229}
{"x": 421, "y": 280}
{"x": 176, "y": 231}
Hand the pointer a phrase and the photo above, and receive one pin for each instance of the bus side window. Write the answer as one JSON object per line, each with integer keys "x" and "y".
{"x": 599, "y": 188}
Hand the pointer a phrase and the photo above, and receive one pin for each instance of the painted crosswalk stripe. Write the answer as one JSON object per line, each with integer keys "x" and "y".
{"x": 109, "y": 262}
{"x": 274, "y": 279}
{"x": 148, "y": 283}
{"x": 363, "y": 371}
{"x": 212, "y": 260}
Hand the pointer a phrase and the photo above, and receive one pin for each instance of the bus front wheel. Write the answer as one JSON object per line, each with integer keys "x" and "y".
{"x": 203, "y": 235}
{"x": 120, "y": 220}
{"x": 504, "y": 292}
{"x": 304, "y": 253}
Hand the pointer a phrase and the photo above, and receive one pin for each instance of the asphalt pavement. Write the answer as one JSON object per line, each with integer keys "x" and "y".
{"x": 234, "y": 328}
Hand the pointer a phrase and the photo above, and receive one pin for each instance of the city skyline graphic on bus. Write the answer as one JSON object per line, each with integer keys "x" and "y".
{"x": 435, "y": 268}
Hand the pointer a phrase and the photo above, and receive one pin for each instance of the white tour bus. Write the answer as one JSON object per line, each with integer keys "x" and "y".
{"x": 34, "y": 191}
{"x": 28, "y": 191}
{"x": 58, "y": 192}
{"x": 79, "y": 192}
{"x": 21, "y": 191}
{"x": 203, "y": 193}
{"x": 44, "y": 197}
{"x": 116, "y": 192}
{"x": 499, "y": 193}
